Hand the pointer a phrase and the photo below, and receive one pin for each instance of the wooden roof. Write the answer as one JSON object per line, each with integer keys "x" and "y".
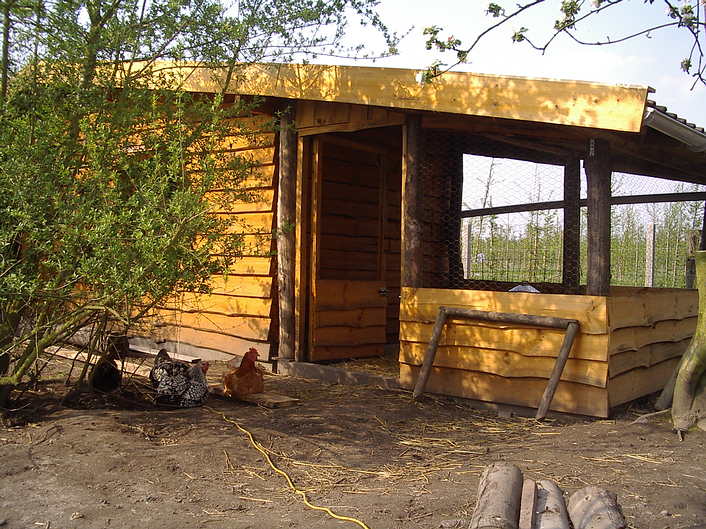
{"x": 573, "y": 103}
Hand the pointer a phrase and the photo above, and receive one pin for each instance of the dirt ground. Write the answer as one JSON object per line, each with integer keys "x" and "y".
{"x": 97, "y": 461}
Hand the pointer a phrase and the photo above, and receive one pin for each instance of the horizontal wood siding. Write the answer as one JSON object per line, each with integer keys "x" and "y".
{"x": 240, "y": 312}
{"x": 650, "y": 330}
{"x": 508, "y": 363}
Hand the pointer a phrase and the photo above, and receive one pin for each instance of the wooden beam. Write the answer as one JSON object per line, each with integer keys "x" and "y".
{"x": 286, "y": 215}
{"x": 614, "y": 201}
{"x": 412, "y": 252}
{"x": 571, "y": 270}
{"x": 315, "y": 236}
{"x": 301, "y": 290}
{"x": 598, "y": 174}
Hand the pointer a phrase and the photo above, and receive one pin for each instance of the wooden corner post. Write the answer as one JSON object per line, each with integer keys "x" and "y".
{"x": 286, "y": 214}
{"x": 598, "y": 173}
{"x": 412, "y": 252}
{"x": 571, "y": 272}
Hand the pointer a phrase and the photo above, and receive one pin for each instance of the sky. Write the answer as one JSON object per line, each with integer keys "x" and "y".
{"x": 653, "y": 61}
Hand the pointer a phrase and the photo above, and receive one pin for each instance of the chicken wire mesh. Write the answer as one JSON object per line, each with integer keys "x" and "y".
{"x": 651, "y": 243}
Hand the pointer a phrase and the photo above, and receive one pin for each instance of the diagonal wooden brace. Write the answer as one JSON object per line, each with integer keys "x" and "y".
{"x": 571, "y": 326}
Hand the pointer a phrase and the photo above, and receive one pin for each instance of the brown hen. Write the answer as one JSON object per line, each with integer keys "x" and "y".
{"x": 245, "y": 380}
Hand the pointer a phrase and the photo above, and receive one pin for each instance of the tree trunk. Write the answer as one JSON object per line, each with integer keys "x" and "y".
{"x": 693, "y": 365}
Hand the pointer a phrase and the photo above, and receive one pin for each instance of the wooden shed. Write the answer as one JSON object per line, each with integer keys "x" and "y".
{"x": 366, "y": 166}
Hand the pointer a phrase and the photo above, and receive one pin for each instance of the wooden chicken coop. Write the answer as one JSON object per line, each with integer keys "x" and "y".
{"x": 366, "y": 165}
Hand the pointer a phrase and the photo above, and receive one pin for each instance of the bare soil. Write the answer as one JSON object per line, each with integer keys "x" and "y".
{"x": 89, "y": 461}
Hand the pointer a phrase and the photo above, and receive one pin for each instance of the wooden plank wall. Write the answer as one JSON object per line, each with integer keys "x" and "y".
{"x": 650, "y": 328}
{"x": 350, "y": 228}
{"x": 508, "y": 363}
{"x": 241, "y": 312}
{"x": 349, "y": 214}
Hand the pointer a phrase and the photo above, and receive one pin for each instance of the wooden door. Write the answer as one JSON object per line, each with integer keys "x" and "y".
{"x": 348, "y": 288}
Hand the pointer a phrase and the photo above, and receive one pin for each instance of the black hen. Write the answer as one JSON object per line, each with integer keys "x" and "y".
{"x": 106, "y": 375}
{"x": 178, "y": 383}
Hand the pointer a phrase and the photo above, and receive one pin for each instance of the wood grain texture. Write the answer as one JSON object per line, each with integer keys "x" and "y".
{"x": 639, "y": 307}
{"x": 220, "y": 304}
{"x": 640, "y": 381}
{"x": 258, "y": 266}
{"x": 598, "y": 177}
{"x": 412, "y": 233}
{"x": 506, "y": 363}
{"x": 589, "y": 311}
{"x": 209, "y": 339}
{"x": 569, "y": 397}
{"x": 527, "y": 341}
{"x": 247, "y": 327}
{"x": 564, "y": 102}
{"x": 646, "y": 356}
{"x": 286, "y": 237}
{"x": 250, "y": 286}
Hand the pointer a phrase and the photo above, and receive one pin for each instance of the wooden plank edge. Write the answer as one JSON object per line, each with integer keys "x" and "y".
{"x": 266, "y": 399}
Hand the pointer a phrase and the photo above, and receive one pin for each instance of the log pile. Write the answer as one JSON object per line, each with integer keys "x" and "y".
{"x": 507, "y": 501}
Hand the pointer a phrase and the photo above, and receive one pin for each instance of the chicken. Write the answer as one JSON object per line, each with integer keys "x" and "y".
{"x": 106, "y": 375}
{"x": 245, "y": 380}
{"x": 178, "y": 383}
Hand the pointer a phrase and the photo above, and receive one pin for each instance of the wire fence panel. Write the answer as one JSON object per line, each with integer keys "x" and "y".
{"x": 508, "y": 247}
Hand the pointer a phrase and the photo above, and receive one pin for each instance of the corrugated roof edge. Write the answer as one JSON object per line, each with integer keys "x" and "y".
{"x": 670, "y": 124}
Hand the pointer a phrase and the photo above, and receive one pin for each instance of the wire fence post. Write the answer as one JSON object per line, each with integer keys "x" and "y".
{"x": 650, "y": 255}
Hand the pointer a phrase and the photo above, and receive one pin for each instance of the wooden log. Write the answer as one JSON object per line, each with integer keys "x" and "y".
{"x": 595, "y": 508}
{"x": 412, "y": 252}
{"x": 571, "y": 271}
{"x": 499, "y": 496}
{"x": 286, "y": 215}
{"x": 571, "y": 331}
{"x": 550, "y": 507}
{"x": 598, "y": 175}
{"x": 528, "y": 506}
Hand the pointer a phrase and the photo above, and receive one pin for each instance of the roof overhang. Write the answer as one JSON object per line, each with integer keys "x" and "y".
{"x": 572, "y": 103}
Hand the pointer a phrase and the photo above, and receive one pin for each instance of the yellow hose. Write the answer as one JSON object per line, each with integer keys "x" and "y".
{"x": 297, "y": 491}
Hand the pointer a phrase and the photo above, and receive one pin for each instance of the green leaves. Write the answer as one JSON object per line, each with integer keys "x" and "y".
{"x": 110, "y": 175}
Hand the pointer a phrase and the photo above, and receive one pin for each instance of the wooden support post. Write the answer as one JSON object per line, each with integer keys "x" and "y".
{"x": 650, "y": 255}
{"x": 303, "y": 256}
{"x": 286, "y": 214}
{"x": 571, "y": 272}
{"x": 499, "y": 496}
{"x": 572, "y": 330}
{"x": 598, "y": 173}
{"x": 412, "y": 252}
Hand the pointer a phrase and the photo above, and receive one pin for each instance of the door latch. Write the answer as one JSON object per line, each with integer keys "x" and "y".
{"x": 382, "y": 292}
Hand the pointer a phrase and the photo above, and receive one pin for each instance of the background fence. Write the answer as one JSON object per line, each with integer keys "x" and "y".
{"x": 650, "y": 243}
